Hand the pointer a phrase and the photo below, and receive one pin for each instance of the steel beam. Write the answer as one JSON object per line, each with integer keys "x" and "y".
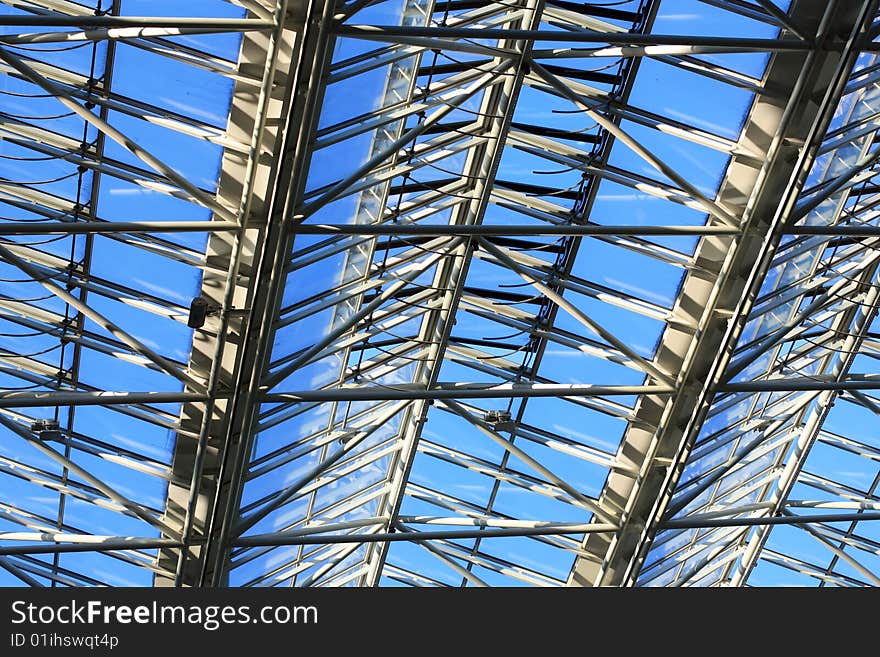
{"x": 411, "y": 535}
{"x": 99, "y": 227}
{"x": 398, "y": 34}
{"x": 570, "y": 230}
{"x": 63, "y": 20}
{"x": 761, "y": 521}
{"x": 307, "y": 52}
{"x": 245, "y": 191}
{"x": 787, "y": 127}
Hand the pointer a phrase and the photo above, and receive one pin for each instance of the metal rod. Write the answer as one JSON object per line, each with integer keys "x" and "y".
{"x": 708, "y": 205}
{"x": 86, "y": 476}
{"x": 389, "y": 32}
{"x": 402, "y": 281}
{"x": 642, "y": 363}
{"x": 81, "y": 227}
{"x": 124, "y": 544}
{"x": 31, "y": 399}
{"x": 128, "y": 144}
{"x": 485, "y": 521}
{"x": 37, "y": 399}
{"x": 538, "y": 467}
{"x": 454, "y": 565}
{"x": 312, "y": 530}
{"x": 550, "y": 230}
{"x": 63, "y": 20}
{"x": 842, "y": 231}
{"x": 415, "y": 536}
{"x": 60, "y": 537}
{"x": 644, "y": 51}
{"x": 796, "y": 384}
{"x": 865, "y": 401}
{"x": 700, "y": 523}
{"x": 464, "y": 391}
{"x": 112, "y": 33}
{"x": 114, "y": 330}
{"x": 864, "y": 504}
{"x": 843, "y": 554}
{"x": 19, "y": 573}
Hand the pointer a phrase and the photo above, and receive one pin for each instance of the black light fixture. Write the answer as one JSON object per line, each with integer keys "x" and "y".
{"x": 199, "y": 310}
{"x": 500, "y": 420}
{"x": 46, "y": 430}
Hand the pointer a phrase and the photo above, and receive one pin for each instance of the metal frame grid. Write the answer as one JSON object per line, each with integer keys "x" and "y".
{"x": 483, "y": 304}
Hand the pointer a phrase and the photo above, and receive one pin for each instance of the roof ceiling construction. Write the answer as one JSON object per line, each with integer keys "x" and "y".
{"x": 439, "y": 293}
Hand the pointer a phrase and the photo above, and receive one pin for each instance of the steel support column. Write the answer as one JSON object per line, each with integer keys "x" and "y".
{"x": 785, "y": 124}
{"x": 248, "y": 188}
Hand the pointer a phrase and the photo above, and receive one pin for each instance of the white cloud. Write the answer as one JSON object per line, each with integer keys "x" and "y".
{"x": 677, "y": 17}
{"x": 130, "y": 191}
{"x": 638, "y": 291}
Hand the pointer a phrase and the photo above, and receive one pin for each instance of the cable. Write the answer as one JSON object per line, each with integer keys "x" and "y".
{"x": 457, "y": 174}
{"x": 435, "y": 189}
{"x": 515, "y": 334}
{"x": 39, "y": 242}
{"x": 41, "y": 158}
{"x": 415, "y": 344}
{"x": 607, "y": 4}
{"x": 557, "y": 192}
{"x": 25, "y": 95}
{"x": 503, "y": 355}
{"x": 524, "y": 284}
{"x": 9, "y": 354}
{"x": 30, "y": 387}
{"x": 32, "y": 300}
{"x": 464, "y": 109}
{"x": 554, "y": 172}
{"x": 37, "y": 118}
{"x": 33, "y": 280}
{"x": 58, "y": 49}
{"x": 30, "y": 334}
{"x": 39, "y": 182}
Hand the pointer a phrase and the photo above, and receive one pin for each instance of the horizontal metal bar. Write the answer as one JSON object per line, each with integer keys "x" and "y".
{"x": 81, "y": 227}
{"x": 111, "y": 33}
{"x": 135, "y": 508}
{"x": 507, "y": 229}
{"x": 383, "y": 32}
{"x": 65, "y": 20}
{"x": 485, "y": 521}
{"x": 409, "y": 534}
{"x": 644, "y": 51}
{"x": 60, "y": 537}
{"x": 796, "y": 384}
{"x": 684, "y": 523}
{"x": 506, "y": 259}
{"x": 102, "y": 398}
{"x": 123, "y": 544}
{"x": 464, "y": 391}
{"x": 844, "y": 231}
{"x": 116, "y": 331}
